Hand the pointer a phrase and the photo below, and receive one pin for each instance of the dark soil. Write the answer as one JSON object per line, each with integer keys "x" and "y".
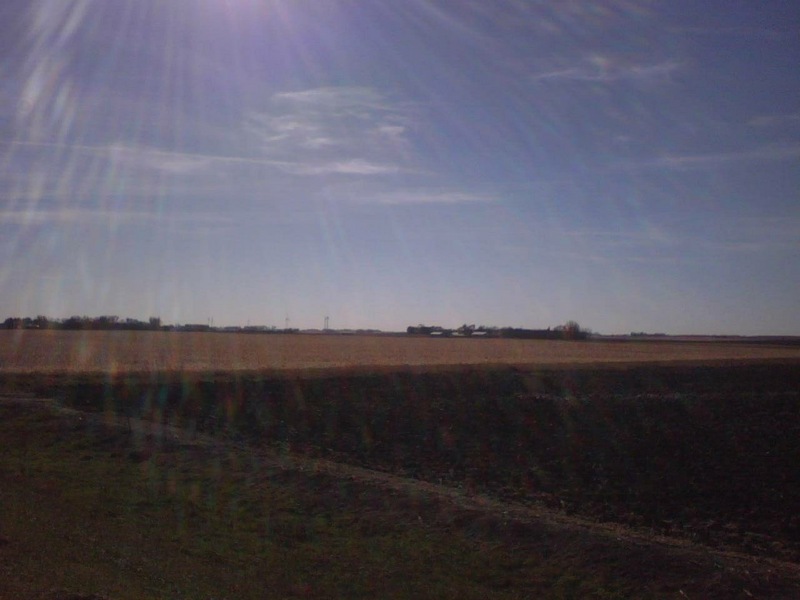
{"x": 127, "y": 502}
{"x": 704, "y": 452}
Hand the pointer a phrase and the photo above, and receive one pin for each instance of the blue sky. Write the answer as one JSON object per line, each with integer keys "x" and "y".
{"x": 632, "y": 165}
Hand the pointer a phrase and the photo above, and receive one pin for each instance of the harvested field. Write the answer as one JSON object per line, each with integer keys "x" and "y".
{"x": 678, "y": 457}
{"x": 120, "y": 351}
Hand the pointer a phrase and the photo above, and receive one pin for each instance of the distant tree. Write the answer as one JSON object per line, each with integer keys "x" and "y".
{"x": 105, "y": 322}
{"x": 12, "y": 323}
{"x": 571, "y": 330}
{"x": 76, "y": 322}
{"x": 422, "y": 329}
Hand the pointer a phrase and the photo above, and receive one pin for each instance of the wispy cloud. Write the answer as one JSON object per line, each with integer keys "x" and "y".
{"x": 762, "y": 232}
{"x": 428, "y": 197}
{"x": 682, "y": 244}
{"x": 345, "y": 131}
{"x": 39, "y": 216}
{"x": 332, "y": 130}
{"x": 146, "y": 158}
{"x": 355, "y": 166}
{"x": 648, "y": 235}
{"x": 359, "y": 101}
{"x": 737, "y": 31}
{"x": 131, "y": 155}
{"x": 775, "y": 120}
{"x": 77, "y": 215}
{"x": 605, "y": 70}
{"x": 185, "y": 163}
{"x": 151, "y": 158}
{"x": 695, "y": 161}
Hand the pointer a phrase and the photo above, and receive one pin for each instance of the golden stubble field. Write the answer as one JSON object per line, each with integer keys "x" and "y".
{"x": 122, "y": 351}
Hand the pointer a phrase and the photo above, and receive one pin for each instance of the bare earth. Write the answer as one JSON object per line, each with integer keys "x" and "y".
{"x": 92, "y": 482}
{"x": 122, "y": 351}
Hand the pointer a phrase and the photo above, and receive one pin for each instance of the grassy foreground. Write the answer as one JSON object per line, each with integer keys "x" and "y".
{"x": 91, "y": 510}
{"x": 263, "y": 485}
{"x": 89, "y": 507}
{"x": 708, "y": 452}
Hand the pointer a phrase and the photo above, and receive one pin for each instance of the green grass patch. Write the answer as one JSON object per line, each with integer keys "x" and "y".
{"x": 91, "y": 508}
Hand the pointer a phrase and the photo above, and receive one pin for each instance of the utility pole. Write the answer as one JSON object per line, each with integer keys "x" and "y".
{"x": 326, "y": 323}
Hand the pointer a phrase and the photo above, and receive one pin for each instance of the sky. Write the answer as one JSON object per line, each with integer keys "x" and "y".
{"x": 632, "y": 165}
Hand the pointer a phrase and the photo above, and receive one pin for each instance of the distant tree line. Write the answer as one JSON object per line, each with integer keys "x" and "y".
{"x": 114, "y": 323}
{"x": 569, "y": 331}
{"x": 105, "y": 322}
